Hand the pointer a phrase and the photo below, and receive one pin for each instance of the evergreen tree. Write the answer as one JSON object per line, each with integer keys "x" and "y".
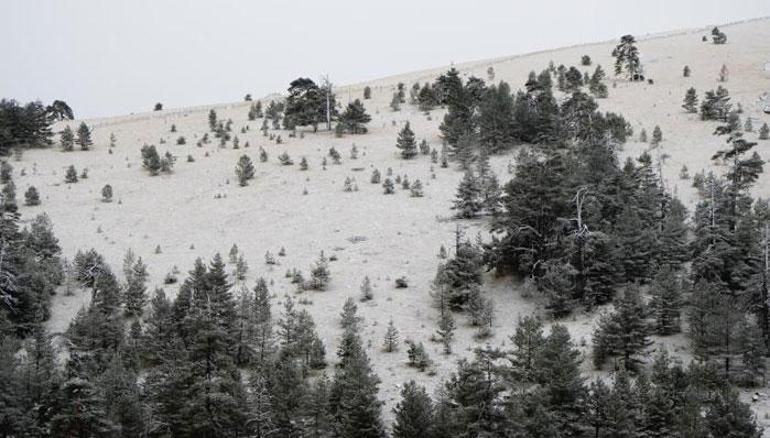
{"x": 558, "y": 368}
{"x": 460, "y": 106}
{"x": 596, "y": 84}
{"x": 31, "y": 197}
{"x": 445, "y": 331}
{"x": 354, "y": 118}
{"x": 244, "y": 170}
{"x": 624, "y": 333}
{"x": 84, "y": 137}
{"x": 319, "y": 275}
{"x": 71, "y": 176}
{"x": 715, "y": 105}
{"x": 495, "y": 119}
{"x": 764, "y": 132}
{"x": 414, "y": 413}
{"x": 666, "y": 303}
{"x": 388, "y": 187}
{"x": 353, "y": 396}
{"x": 468, "y": 201}
{"x": 391, "y": 338}
{"x": 406, "y": 143}
{"x": 67, "y": 139}
{"x": 691, "y": 101}
{"x": 528, "y": 342}
{"x": 366, "y": 289}
{"x": 135, "y": 294}
{"x": 729, "y": 417}
{"x": 627, "y": 57}
{"x": 79, "y": 411}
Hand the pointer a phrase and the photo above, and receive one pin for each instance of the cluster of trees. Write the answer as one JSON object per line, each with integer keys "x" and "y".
{"x": 493, "y": 119}
{"x": 213, "y": 362}
{"x": 26, "y": 126}
{"x": 154, "y": 163}
{"x": 309, "y": 104}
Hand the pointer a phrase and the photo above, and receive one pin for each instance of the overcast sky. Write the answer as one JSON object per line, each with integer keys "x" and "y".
{"x": 114, "y": 57}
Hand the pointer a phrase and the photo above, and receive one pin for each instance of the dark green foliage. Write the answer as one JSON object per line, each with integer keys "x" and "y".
{"x": 468, "y": 202}
{"x": 354, "y": 118}
{"x": 31, "y": 197}
{"x": 414, "y": 413}
{"x": 666, "y": 302}
{"x": 27, "y": 126}
{"x": 107, "y": 193}
{"x": 83, "y": 138}
{"x": 306, "y": 104}
{"x": 367, "y": 92}
{"x": 67, "y": 139}
{"x": 691, "y": 101}
{"x": 715, "y": 105}
{"x": 154, "y": 163}
{"x": 623, "y": 334}
{"x": 244, "y": 170}
{"x": 728, "y": 417}
{"x": 717, "y": 36}
{"x": 71, "y": 176}
{"x": 764, "y": 132}
{"x": 406, "y": 143}
{"x": 460, "y": 275}
{"x": 136, "y": 289}
{"x": 496, "y": 118}
{"x": 60, "y": 110}
{"x": 353, "y": 395}
{"x": 627, "y": 57}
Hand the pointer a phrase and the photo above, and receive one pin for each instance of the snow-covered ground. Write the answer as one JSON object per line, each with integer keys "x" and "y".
{"x": 383, "y": 237}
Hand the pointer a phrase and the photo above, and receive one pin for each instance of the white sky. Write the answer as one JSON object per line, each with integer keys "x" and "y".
{"x": 107, "y": 57}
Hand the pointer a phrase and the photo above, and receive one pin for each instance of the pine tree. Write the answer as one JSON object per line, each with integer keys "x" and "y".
{"x": 686, "y": 71}
{"x": 136, "y": 289}
{"x": 354, "y": 118}
{"x": 468, "y": 201}
{"x": 79, "y": 411}
{"x": 596, "y": 84}
{"x": 729, "y": 417}
{"x": 67, "y": 139}
{"x": 367, "y": 92}
{"x": 657, "y": 136}
{"x": 627, "y": 57}
{"x": 388, "y": 187}
{"x": 366, "y": 289}
{"x": 349, "y": 318}
{"x": 353, "y": 397}
{"x": 406, "y": 143}
{"x": 390, "y": 343}
{"x": 624, "y": 333}
{"x": 84, "y": 137}
{"x": 395, "y": 102}
{"x": 244, "y": 170}
{"x": 414, "y": 413}
{"x": 666, "y": 303}
{"x": 213, "y": 120}
{"x": 691, "y": 101}
{"x": 446, "y": 329}
{"x": 319, "y": 275}
{"x": 416, "y": 189}
{"x": 31, "y": 197}
{"x": 764, "y": 132}
{"x": 71, "y": 176}
{"x": 558, "y": 366}
{"x": 528, "y": 341}
{"x": 418, "y": 357}
{"x": 715, "y": 105}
